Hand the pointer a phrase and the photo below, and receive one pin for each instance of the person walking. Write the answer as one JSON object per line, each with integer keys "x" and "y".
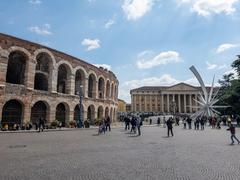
{"x": 41, "y": 124}
{"x": 170, "y": 126}
{"x": 127, "y": 123}
{"x": 232, "y": 130}
{"x": 158, "y": 121}
{"x": 108, "y": 124}
{"x": 138, "y": 124}
{"x": 202, "y": 122}
{"x": 184, "y": 123}
{"x": 189, "y": 121}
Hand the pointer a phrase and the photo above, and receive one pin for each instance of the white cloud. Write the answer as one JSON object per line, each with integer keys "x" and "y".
{"x": 164, "y": 80}
{"x": 44, "y": 30}
{"x": 208, "y": 7}
{"x": 235, "y": 75}
{"x": 162, "y": 58}
{"x": 110, "y": 22}
{"x": 105, "y": 66}
{"x": 91, "y": 44}
{"x": 215, "y": 66}
{"x": 35, "y": 2}
{"x": 135, "y": 9}
{"x": 224, "y": 47}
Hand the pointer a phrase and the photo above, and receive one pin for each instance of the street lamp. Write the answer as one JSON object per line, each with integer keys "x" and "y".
{"x": 80, "y": 118}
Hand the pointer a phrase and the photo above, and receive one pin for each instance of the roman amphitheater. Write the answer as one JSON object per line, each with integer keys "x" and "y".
{"x": 39, "y": 81}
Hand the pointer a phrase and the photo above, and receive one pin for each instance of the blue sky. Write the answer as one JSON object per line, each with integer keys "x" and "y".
{"x": 144, "y": 42}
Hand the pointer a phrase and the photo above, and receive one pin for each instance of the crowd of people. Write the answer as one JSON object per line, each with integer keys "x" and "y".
{"x": 135, "y": 121}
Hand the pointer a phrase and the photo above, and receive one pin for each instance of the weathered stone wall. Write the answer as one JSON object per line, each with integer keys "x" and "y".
{"x": 28, "y": 96}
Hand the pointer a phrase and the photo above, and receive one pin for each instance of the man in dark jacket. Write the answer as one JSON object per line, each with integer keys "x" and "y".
{"x": 108, "y": 122}
{"x": 169, "y": 126}
{"x": 232, "y": 130}
{"x": 41, "y": 123}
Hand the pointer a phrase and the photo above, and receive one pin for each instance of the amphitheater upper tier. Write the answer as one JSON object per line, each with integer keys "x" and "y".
{"x": 37, "y": 81}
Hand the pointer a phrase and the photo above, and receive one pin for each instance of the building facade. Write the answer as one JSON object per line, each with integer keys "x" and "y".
{"x": 178, "y": 98}
{"x": 121, "y": 106}
{"x": 37, "y": 81}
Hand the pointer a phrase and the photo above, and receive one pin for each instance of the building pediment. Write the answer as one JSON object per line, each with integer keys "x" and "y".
{"x": 182, "y": 87}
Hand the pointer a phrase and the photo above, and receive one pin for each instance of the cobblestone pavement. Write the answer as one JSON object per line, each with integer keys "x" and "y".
{"x": 63, "y": 155}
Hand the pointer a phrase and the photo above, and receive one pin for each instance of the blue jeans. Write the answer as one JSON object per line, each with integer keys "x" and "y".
{"x": 234, "y": 137}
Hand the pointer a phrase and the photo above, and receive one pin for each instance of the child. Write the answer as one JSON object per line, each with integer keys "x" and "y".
{"x": 232, "y": 130}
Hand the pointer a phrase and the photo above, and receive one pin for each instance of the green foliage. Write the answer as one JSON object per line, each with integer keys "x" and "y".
{"x": 229, "y": 93}
{"x": 54, "y": 124}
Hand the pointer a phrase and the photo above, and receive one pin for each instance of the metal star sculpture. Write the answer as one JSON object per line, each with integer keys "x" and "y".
{"x": 206, "y": 99}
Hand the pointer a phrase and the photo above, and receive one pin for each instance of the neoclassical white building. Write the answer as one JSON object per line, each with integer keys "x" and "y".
{"x": 39, "y": 81}
{"x": 178, "y": 98}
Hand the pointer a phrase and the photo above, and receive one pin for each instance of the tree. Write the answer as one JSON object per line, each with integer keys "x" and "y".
{"x": 229, "y": 92}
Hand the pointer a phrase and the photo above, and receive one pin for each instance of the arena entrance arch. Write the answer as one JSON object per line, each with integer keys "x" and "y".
{"x": 100, "y": 113}
{"x": 12, "y": 113}
{"x": 61, "y": 113}
{"x": 91, "y": 114}
{"x": 39, "y": 109}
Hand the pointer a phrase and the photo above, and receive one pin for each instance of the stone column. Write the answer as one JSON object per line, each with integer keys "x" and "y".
{"x": 3, "y": 67}
{"x": 72, "y": 84}
{"x": 1, "y": 107}
{"x": 54, "y": 80}
{"x": 168, "y": 103}
{"x": 30, "y": 74}
{"x": 86, "y": 88}
{"x": 140, "y": 102}
{"x": 162, "y": 103}
{"x": 71, "y": 114}
{"x": 52, "y": 115}
{"x": 145, "y": 103}
{"x": 179, "y": 103}
{"x": 190, "y": 103}
{"x": 185, "y": 103}
{"x": 26, "y": 113}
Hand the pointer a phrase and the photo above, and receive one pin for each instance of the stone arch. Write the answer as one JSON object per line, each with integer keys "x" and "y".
{"x": 40, "y": 109}
{"x": 45, "y": 51}
{"x": 77, "y": 113}
{"x": 45, "y": 63}
{"x": 92, "y": 79}
{"x": 64, "y": 78}
{"x": 101, "y": 87}
{"x": 17, "y": 67}
{"x": 106, "y": 112}
{"x": 12, "y": 113}
{"x": 100, "y": 113}
{"x": 108, "y": 89}
{"x": 80, "y": 77}
{"x": 62, "y": 113}
{"x": 91, "y": 114}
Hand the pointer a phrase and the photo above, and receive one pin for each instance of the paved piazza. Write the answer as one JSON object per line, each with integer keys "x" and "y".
{"x": 81, "y": 154}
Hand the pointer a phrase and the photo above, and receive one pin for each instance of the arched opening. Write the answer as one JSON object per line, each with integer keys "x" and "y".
{"x": 62, "y": 81}
{"x": 100, "y": 113}
{"x": 39, "y": 110}
{"x": 41, "y": 82}
{"x": 112, "y": 94}
{"x": 61, "y": 114}
{"x": 16, "y": 68}
{"x": 106, "y": 112}
{"x": 91, "y": 114}
{"x": 12, "y": 113}
{"x": 91, "y": 86}
{"x": 101, "y": 88}
{"x": 43, "y": 75}
{"x": 79, "y": 81}
{"x": 77, "y": 113}
{"x": 108, "y": 90}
